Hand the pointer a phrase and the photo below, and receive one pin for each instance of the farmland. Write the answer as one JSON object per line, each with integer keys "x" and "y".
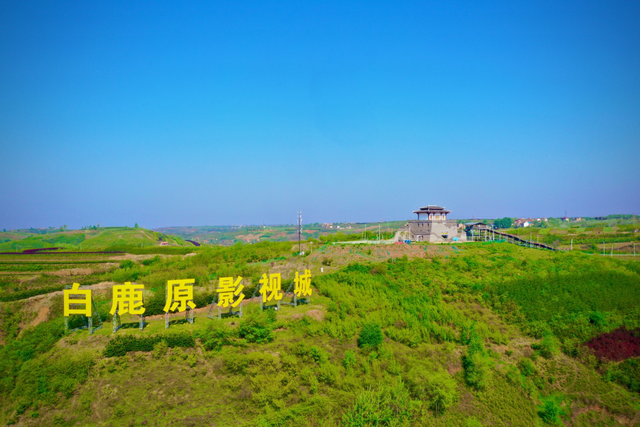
{"x": 473, "y": 334}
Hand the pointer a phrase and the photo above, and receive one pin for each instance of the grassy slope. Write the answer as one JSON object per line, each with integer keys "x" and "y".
{"x": 100, "y": 239}
{"x": 424, "y": 307}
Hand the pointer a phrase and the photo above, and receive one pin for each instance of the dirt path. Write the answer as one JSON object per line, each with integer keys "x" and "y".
{"x": 40, "y": 304}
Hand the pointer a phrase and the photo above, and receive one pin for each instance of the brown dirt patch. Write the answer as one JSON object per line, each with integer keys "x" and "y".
{"x": 315, "y": 314}
{"x": 72, "y": 272}
{"x": 42, "y": 315}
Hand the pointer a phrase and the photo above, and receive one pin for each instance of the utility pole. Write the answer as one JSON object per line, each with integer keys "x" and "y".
{"x": 299, "y": 232}
{"x": 571, "y": 244}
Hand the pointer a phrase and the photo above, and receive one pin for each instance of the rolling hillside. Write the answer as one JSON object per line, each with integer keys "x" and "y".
{"x": 481, "y": 334}
{"x": 107, "y": 238}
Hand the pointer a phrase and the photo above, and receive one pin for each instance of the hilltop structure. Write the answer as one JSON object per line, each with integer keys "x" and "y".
{"x": 432, "y": 226}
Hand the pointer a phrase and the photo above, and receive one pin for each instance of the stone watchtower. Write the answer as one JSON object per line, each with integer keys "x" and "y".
{"x": 433, "y": 226}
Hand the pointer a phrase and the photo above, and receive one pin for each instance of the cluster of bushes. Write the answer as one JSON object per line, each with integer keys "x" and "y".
{"x": 550, "y": 410}
{"x": 477, "y": 362}
{"x": 257, "y": 327}
{"x": 49, "y": 379}
{"x": 122, "y": 344}
{"x": 370, "y": 336}
{"x": 27, "y": 346}
{"x": 626, "y": 373}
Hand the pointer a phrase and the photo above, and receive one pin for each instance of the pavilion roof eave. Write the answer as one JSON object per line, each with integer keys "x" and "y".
{"x": 432, "y": 212}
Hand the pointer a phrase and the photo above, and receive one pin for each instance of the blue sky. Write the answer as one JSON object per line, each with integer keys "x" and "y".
{"x": 246, "y": 112}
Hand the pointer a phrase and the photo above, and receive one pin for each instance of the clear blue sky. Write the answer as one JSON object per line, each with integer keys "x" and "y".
{"x": 245, "y": 112}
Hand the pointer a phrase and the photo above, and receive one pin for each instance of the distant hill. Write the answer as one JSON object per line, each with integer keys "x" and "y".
{"x": 99, "y": 238}
{"x": 230, "y": 234}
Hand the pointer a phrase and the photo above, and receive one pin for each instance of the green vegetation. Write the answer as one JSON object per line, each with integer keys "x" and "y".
{"x": 491, "y": 334}
{"x": 370, "y": 336}
{"x": 503, "y": 223}
{"x": 122, "y": 344}
{"x": 626, "y": 373}
{"x": 107, "y": 239}
{"x": 550, "y": 410}
{"x": 325, "y": 233}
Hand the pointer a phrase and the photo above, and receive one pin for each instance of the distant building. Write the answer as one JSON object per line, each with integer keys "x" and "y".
{"x": 525, "y": 222}
{"x": 432, "y": 225}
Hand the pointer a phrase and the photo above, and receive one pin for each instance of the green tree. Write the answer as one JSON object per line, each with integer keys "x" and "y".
{"x": 370, "y": 335}
{"x": 503, "y": 223}
{"x": 477, "y": 364}
{"x": 437, "y": 389}
{"x": 349, "y": 360}
{"x": 550, "y": 410}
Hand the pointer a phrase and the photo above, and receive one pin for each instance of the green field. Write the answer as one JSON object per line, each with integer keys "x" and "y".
{"x": 109, "y": 239}
{"x": 486, "y": 334}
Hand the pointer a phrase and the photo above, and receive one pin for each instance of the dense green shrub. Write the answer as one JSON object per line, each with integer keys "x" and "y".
{"x": 627, "y": 374}
{"x": 550, "y": 410}
{"x": 477, "y": 364}
{"x": 155, "y": 304}
{"x": 151, "y": 261}
{"x": 203, "y": 299}
{"x": 438, "y": 389}
{"x": 527, "y": 367}
{"x": 349, "y": 360}
{"x": 217, "y": 335}
{"x": 256, "y": 327}
{"x": 122, "y": 344}
{"x": 31, "y": 343}
{"x": 370, "y": 335}
{"x": 478, "y": 369}
{"x": 387, "y": 406}
{"x": 44, "y": 380}
{"x": 127, "y": 264}
{"x": 160, "y": 349}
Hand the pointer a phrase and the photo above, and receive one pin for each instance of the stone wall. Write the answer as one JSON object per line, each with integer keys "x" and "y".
{"x": 433, "y": 231}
